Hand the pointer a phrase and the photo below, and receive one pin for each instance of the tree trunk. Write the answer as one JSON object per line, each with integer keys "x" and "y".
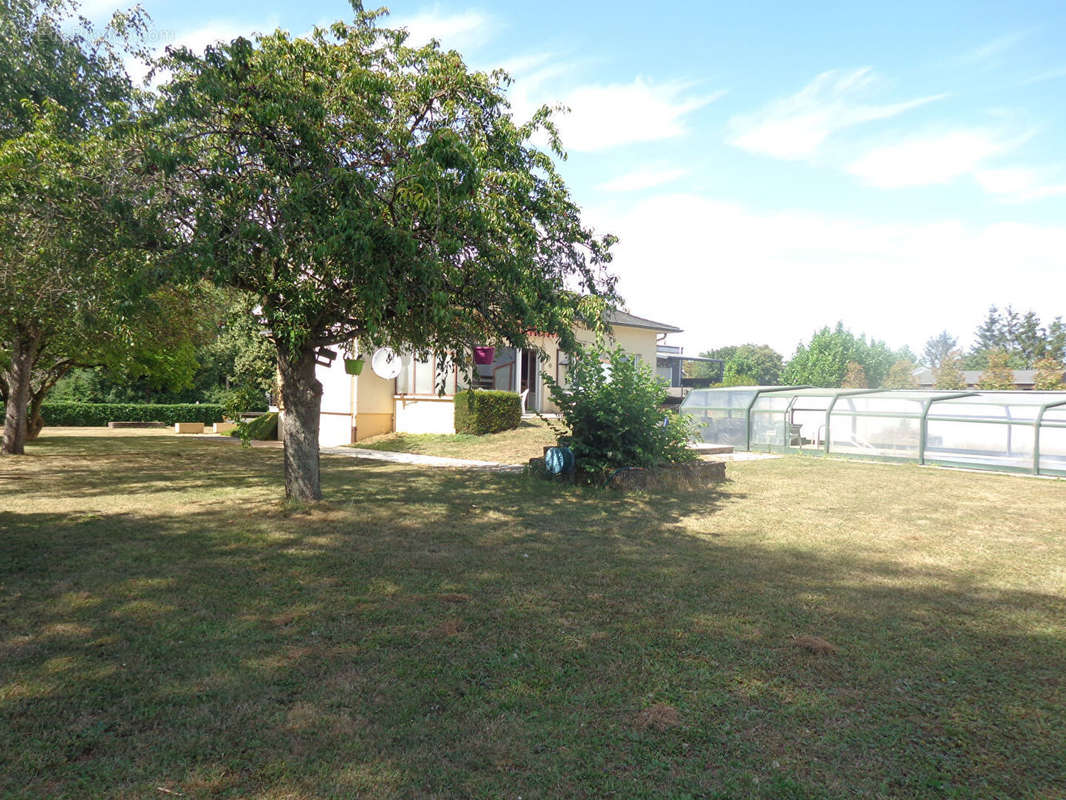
{"x": 34, "y": 420}
{"x": 301, "y": 404}
{"x": 17, "y": 379}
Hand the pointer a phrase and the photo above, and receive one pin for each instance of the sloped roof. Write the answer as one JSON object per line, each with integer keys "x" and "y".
{"x": 633, "y": 321}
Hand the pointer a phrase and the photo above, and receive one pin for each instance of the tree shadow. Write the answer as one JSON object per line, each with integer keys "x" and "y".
{"x": 449, "y": 633}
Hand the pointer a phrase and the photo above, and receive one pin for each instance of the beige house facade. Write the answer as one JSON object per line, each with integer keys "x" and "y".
{"x": 356, "y": 407}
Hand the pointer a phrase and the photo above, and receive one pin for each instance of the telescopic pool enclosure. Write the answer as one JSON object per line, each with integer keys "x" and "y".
{"x": 1017, "y": 431}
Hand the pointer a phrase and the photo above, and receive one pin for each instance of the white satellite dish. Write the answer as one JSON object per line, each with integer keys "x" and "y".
{"x": 385, "y": 363}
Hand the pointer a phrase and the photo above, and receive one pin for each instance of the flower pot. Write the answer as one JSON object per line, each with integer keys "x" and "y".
{"x": 484, "y": 355}
{"x": 353, "y": 366}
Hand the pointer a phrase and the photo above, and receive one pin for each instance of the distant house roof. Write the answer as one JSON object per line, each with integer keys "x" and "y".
{"x": 633, "y": 321}
{"x": 1022, "y": 377}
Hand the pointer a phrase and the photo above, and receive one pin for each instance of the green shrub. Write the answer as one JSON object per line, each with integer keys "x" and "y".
{"x": 99, "y": 414}
{"x": 261, "y": 428}
{"x": 613, "y": 409}
{"x": 479, "y": 411}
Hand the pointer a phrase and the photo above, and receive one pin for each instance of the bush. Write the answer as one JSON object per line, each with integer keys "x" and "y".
{"x": 480, "y": 411}
{"x": 262, "y": 428}
{"x": 613, "y": 409}
{"x": 99, "y": 414}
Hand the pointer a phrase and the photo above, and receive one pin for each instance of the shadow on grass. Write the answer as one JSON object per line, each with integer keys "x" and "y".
{"x": 463, "y": 634}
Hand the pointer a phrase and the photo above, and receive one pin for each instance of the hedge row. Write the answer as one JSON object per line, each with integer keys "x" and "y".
{"x": 479, "y": 411}
{"x": 99, "y": 414}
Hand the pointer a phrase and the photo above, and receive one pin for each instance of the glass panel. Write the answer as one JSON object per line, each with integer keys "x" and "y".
{"x": 1053, "y": 441}
{"x": 404, "y": 379}
{"x": 980, "y": 443}
{"x": 881, "y": 436}
{"x": 423, "y": 381}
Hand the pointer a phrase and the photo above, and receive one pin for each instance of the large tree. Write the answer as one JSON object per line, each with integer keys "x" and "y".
{"x": 363, "y": 189}
{"x": 824, "y": 361}
{"x": 75, "y": 283}
{"x": 73, "y": 215}
{"x": 937, "y": 349}
{"x": 749, "y": 362}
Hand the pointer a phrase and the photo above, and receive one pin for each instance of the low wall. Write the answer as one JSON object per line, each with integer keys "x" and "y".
{"x": 424, "y": 414}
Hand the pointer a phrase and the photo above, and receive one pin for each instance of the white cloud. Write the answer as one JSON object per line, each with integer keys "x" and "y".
{"x": 101, "y": 9}
{"x": 1049, "y": 75}
{"x": 932, "y": 158}
{"x": 642, "y": 179}
{"x": 797, "y": 126}
{"x": 991, "y": 50}
{"x": 729, "y": 274}
{"x": 466, "y": 29}
{"x": 1019, "y": 184}
{"x": 604, "y": 116}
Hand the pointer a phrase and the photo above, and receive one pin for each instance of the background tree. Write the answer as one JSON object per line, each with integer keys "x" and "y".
{"x": 824, "y": 362}
{"x": 937, "y": 349}
{"x": 70, "y": 283}
{"x": 998, "y": 374}
{"x": 901, "y": 375}
{"x": 854, "y": 377}
{"x": 74, "y": 279}
{"x": 758, "y": 363}
{"x": 1023, "y": 338}
{"x": 362, "y": 189}
{"x": 1049, "y": 372}
{"x": 949, "y": 374}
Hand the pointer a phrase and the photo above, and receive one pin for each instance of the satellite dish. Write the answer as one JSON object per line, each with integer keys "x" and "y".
{"x": 385, "y": 363}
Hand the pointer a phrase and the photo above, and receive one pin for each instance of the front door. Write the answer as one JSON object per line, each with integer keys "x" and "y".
{"x": 530, "y": 375}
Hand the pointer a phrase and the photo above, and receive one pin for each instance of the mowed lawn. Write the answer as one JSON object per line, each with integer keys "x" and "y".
{"x": 168, "y": 628}
{"x": 516, "y": 446}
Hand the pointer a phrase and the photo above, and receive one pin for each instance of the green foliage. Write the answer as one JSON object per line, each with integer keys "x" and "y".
{"x": 426, "y": 220}
{"x": 824, "y": 362}
{"x": 263, "y": 428}
{"x": 99, "y": 414}
{"x": 1049, "y": 372}
{"x": 745, "y": 364}
{"x": 854, "y": 377}
{"x": 1023, "y": 338}
{"x": 77, "y": 209}
{"x": 613, "y": 412}
{"x": 224, "y": 359}
{"x": 363, "y": 189}
{"x": 48, "y": 53}
{"x": 901, "y": 376}
{"x": 949, "y": 374}
{"x": 937, "y": 349}
{"x": 998, "y": 374}
{"x": 479, "y": 411}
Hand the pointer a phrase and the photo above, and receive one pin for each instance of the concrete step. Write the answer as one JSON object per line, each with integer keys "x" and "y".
{"x": 711, "y": 449}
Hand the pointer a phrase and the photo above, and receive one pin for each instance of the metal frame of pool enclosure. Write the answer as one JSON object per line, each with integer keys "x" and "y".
{"x": 1018, "y": 431}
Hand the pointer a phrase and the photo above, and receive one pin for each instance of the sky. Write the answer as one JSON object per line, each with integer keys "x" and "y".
{"x": 772, "y": 168}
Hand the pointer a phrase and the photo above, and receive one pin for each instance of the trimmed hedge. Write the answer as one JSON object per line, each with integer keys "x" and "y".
{"x": 99, "y": 414}
{"x": 481, "y": 411}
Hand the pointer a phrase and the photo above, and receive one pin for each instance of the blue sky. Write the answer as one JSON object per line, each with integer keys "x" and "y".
{"x": 772, "y": 168}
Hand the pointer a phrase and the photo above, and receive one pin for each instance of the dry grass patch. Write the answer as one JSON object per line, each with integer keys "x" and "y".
{"x": 165, "y": 621}
{"x": 658, "y": 717}
{"x": 508, "y": 447}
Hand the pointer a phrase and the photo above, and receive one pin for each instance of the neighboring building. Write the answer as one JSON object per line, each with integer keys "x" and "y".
{"x": 670, "y": 366}
{"x": 1023, "y": 378}
{"x": 357, "y": 407}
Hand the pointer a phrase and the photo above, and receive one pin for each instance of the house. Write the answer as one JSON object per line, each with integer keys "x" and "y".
{"x": 1023, "y": 378}
{"x": 355, "y": 407}
{"x": 670, "y": 363}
